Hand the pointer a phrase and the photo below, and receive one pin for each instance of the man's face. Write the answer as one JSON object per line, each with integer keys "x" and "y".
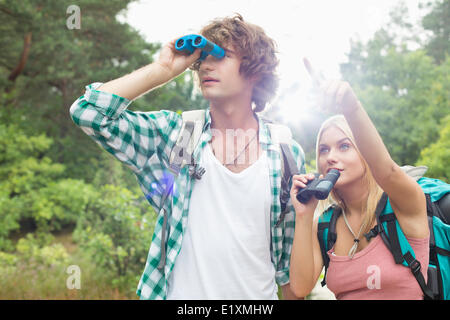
{"x": 220, "y": 78}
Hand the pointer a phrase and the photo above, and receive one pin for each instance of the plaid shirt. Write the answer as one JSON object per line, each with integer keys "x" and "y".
{"x": 143, "y": 141}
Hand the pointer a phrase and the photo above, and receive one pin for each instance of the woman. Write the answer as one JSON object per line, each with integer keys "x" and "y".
{"x": 358, "y": 269}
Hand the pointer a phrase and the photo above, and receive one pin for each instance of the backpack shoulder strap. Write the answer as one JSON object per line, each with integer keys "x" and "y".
{"x": 282, "y": 137}
{"x": 181, "y": 155}
{"x": 198, "y": 118}
{"x": 188, "y": 138}
{"x": 387, "y": 224}
{"x": 395, "y": 240}
{"x": 326, "y": 234}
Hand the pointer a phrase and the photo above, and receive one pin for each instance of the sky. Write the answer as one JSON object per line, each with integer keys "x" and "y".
{"x": 319, "y": 30}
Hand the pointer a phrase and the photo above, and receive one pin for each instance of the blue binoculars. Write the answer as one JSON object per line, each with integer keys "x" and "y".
{"x": 189, "y": 43}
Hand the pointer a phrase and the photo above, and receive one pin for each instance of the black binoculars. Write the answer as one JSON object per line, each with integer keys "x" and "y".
{"x": 319, "y": 188}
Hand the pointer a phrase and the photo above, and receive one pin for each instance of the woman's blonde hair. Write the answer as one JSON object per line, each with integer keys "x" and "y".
{"x": 374, "y": 190}
{"x": 257, "y": 52}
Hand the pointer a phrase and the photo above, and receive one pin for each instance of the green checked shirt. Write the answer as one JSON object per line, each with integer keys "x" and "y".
{"x": 143, "y": 141}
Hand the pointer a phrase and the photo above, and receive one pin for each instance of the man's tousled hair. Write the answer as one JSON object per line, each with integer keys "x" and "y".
{"x": 256, "y": 50}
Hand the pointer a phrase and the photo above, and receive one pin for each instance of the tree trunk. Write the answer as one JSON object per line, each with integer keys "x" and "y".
{"x": 23, "y": 58}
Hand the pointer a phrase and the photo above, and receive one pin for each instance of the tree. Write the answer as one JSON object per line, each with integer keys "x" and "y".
{"x": 32, "y": 187}
{"x": 404, "y": 91}
{"x": 116, "y": 230}
{"x": 437, "y": 155}
{"x": 437, "y": 21}
{"x": 44, "y": 67}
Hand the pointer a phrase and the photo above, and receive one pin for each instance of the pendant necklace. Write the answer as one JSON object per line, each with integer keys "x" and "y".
{"x": 234, "y": 161}
{"x": 353, "y": 249}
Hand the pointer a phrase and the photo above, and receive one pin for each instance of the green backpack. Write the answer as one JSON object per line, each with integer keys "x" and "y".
{"x": 437, "y": 194}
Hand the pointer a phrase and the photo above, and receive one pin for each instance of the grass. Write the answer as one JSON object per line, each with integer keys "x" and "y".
{"x": 35, "y": 281}
{"x": 32, "y": 281}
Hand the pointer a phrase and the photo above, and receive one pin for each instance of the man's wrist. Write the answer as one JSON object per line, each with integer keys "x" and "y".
{"x": 160, "y": 71}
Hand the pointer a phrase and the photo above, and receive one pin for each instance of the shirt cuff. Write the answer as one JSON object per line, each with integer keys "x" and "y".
{"x": 109, "y": 104}
{"x": 282, "y": 277}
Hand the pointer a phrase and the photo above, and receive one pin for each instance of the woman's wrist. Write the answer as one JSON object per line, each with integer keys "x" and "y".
{"x": 304, "y": 217}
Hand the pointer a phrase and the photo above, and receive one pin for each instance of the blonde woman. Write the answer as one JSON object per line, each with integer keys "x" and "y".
{"x": 358, "y": 269}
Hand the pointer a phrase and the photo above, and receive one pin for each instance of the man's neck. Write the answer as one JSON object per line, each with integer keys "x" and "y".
{"x": 232, "y": 115}
{"x": 234, "y": 134}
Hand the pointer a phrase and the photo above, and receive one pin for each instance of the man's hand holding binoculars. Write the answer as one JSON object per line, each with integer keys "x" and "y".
{"x": 175, "y": 62}
{"x": 180, "y": 53}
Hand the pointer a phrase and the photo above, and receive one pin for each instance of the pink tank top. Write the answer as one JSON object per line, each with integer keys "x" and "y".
{"x": 373, "y": 275}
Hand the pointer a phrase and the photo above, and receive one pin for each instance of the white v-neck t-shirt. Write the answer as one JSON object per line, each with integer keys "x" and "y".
{"x": 225, "y": 252}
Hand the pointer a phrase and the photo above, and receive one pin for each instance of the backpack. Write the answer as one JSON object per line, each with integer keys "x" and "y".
{"x": 437, "y": 195}
{"x": 182, "y": 155}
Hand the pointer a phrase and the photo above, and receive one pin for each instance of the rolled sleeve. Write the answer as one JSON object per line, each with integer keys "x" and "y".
{"x": 282, "y": 276}
{"x": 132, "y": 137}
{"x": 109, "y": 104}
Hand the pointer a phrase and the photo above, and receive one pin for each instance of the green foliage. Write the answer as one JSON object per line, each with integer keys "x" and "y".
{"x": 402, "y": 102}
{"x": 7, "y": 259}
{"x": 61, "y": 62}
{"x": 404, "y": 90}
{"x": 436, "y": 21}
{"x": 311, "y": 166}
{"x": 115, "y": 232}
{"x": 59, "y": 203}
{"x": 32, "y": 186}
{"x": 437, "y": 156}
{"x": 50, "y": 255}
{"x": 25, "y": 274}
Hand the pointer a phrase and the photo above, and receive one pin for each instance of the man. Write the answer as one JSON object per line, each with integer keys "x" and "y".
{"x": 223, "y": 236}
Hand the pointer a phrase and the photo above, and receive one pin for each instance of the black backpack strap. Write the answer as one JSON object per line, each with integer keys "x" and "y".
{"x": 289, "y": 169}
{"x": 321, "y": 227}
{"x": 281, "y": 135}
{"x": 387, "y": 224}
{"x": 414, "y": 266}
{"x": 332, "y": 235}
{"x": 331, "y": 238}
{"x": 392, "y": 238}
{"x": 378, "y": 229}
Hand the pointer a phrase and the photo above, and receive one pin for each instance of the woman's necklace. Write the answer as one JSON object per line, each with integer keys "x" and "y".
{"x": 353, "y": 249}
{"x": 240, "y": 153}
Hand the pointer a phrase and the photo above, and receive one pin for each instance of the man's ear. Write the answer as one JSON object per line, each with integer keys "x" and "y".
{"x": 254, "y": 79}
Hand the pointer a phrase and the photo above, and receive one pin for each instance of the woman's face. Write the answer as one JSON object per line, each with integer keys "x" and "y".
{"x": 336, "y": 151}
